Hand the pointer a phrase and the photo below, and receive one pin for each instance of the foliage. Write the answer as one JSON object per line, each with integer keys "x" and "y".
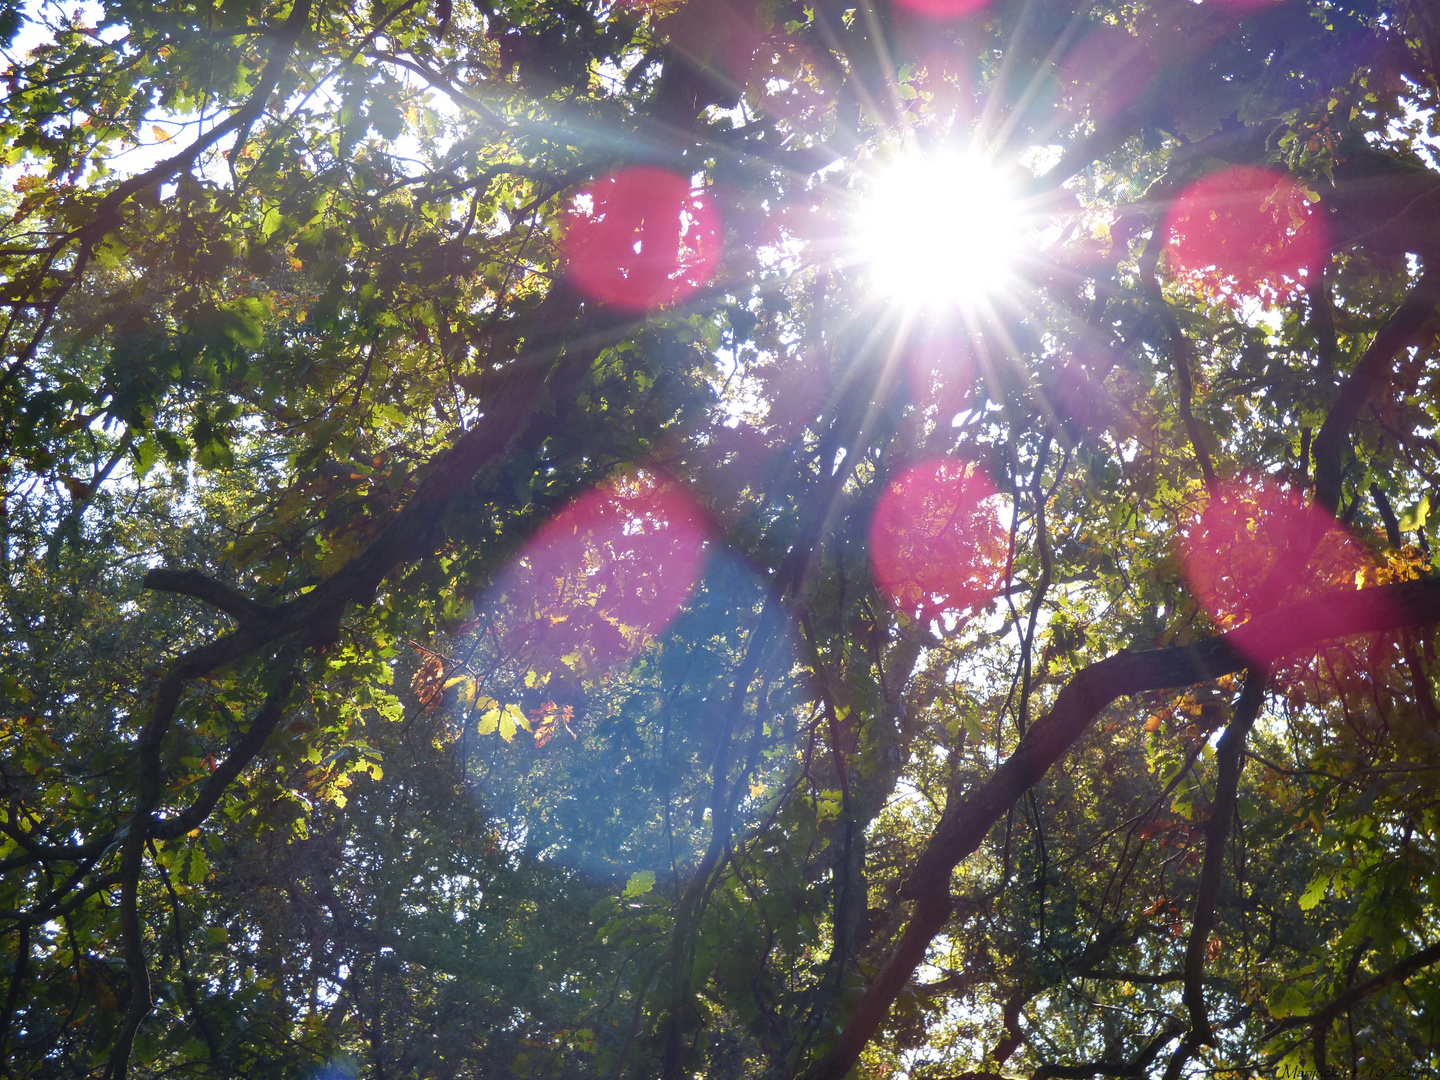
{"x": 445, "y": 635}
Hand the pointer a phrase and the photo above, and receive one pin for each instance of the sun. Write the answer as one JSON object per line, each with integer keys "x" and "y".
{"x": 938, "y": 230}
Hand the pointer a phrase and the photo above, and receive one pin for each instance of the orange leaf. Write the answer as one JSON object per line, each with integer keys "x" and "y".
{"x": 428, "y": 681}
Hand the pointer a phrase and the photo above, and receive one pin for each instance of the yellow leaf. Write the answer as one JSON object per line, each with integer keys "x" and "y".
{"x": 295, "y": 264}
{"x": 517, "y": 714}
{"x": 490, "y": 721}
{"x": 161, "y": 135}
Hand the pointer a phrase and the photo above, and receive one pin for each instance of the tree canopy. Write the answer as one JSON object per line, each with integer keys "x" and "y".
{"x": 719, "y": 538}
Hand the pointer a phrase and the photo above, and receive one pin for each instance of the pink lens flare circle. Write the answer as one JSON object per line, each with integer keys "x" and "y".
{"x": 641, "y": 238}
{"x": 936, "y": 543}
{"x": 609, "y": 571}
{"x": 1244, "y": 231}
{"x": 944, "y": 9}
{"x": 1257, "y": 545}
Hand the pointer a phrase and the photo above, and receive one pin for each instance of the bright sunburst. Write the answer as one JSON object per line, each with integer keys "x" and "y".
{"x": 938, "y": 229}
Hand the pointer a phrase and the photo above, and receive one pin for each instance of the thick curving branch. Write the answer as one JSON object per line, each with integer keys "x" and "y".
{"x": 1294, "y": 628}
{"x": 250, "y": 744}
{"x": 1370, "y": 377}
{"x": 215, "y": 593}
{"x": 568, "y": 335}
{"x": 137, "y": 833}
{"x": 312, "y": 620}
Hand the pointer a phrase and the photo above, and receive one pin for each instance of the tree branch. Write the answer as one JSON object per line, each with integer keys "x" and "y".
{"x": 1370, "y": 376}
{"x": 215, "y": 593}
{"x": 250, "y": 744}
{"x": 1387, "y": 516}
{"x": 687, "y": 913}
{"x": 1230, "y": 760}
{"x": 1012, "y": 1036}
{"x": 966, "y": 823}
{"x": 18, "y": 971}
{"x": 1427, "y": 17}
{"x": 1319, "y": 1022}
{"x": 1180, "y": 353}
{"x": 104, "y": 218}
{"x": 1136, "y": 1066}
{"x": 1399, "y": 973}
{"x": 49, "y": 910}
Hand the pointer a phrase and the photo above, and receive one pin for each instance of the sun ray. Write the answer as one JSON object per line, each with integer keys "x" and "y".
{"x": 938, "y": 230}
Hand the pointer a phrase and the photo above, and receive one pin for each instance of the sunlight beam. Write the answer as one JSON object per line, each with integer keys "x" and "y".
{"x": 938, "y": 230}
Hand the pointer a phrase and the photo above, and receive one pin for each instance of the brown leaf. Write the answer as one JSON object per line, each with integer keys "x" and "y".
{"x": 94, "y": 981}
{"x": 429, "y": 680}
{"x": 549, "y": 718}
{"x": 104, "y": 996}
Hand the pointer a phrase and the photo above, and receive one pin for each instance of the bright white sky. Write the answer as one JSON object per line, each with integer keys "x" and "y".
{"x": 34, "y": 33}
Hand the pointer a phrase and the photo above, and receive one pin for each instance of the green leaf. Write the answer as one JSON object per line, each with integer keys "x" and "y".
{"x": 640, "y": 883}
{"x": 198, "y": 866}
{"x": 1415, "y": 516}
{"x": 1315, "y": 891}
